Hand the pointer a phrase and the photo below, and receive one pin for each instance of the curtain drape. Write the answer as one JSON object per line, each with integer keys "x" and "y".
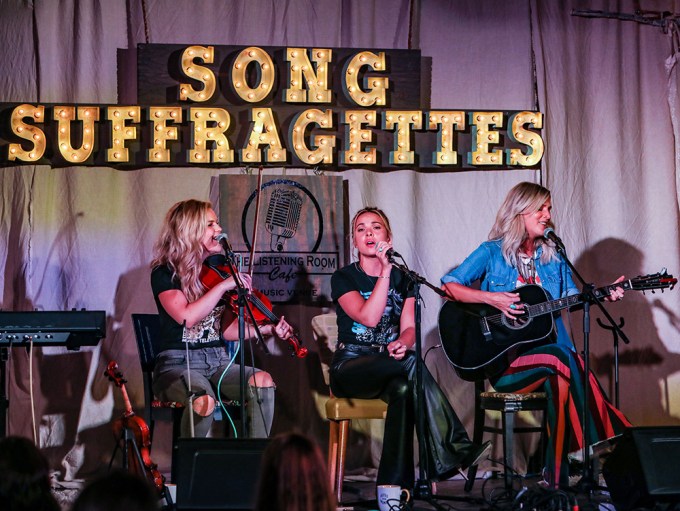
{"x": 82, "y": 237}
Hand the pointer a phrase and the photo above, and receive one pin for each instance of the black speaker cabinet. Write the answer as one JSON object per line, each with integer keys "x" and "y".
{"x": 643, "y": 468}
{"x": 217, "y": 473}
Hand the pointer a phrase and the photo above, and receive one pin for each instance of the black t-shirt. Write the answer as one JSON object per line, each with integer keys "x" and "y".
{"x": 205, "y": 334}
{"x": 353, "y": 278}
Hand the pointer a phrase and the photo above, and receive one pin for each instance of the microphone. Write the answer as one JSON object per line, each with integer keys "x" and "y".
{"x": 549, "y": 233}
{"x": 224, "y": 241}
{"x": 391, "y": 254}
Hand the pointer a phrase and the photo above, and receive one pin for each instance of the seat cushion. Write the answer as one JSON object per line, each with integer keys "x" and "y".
{"x": 166, "y": 404}
{"x": 511, "y": 402}
{"x": 341, "y": 408}
{"x": 511, "y": 396}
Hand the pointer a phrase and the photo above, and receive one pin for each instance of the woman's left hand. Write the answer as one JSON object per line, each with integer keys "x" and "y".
{"x": 396, "y": 349}
{"x": 616, "y": 293}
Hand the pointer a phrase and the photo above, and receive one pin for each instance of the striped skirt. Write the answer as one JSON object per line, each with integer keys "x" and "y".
{"x": 558, "y": 371}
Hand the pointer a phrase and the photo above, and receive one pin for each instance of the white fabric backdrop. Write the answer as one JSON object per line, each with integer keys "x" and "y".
{"x": 81, "y": 237}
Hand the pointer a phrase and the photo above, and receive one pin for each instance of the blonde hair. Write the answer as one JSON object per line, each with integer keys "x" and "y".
{"x": 374, "y": 210}
{"x": 180, "y": 246}
{"x": 509, "y": 225}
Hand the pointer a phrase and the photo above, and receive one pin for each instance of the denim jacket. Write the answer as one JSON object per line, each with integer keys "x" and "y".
{"x": 487, "y": 264}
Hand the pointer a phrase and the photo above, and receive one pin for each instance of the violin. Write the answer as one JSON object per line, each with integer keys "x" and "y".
{"x": 215, "y": 270}
{"x": 142, "y": 436}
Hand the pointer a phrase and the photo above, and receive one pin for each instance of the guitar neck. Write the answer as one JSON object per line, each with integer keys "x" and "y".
{"x": 572, "y": 300}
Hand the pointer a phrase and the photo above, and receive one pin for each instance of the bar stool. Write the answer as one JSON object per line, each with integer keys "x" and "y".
{"x": 508, "y": 404}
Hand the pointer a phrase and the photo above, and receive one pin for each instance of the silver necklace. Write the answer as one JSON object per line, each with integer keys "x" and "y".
{"x": 358, "y": 266}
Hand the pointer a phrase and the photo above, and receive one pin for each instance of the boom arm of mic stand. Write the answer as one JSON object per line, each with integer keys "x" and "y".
{"x": 415, "y": 277}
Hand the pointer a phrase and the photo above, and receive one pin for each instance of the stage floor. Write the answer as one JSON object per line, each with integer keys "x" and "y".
{"x": 486, "y": 494}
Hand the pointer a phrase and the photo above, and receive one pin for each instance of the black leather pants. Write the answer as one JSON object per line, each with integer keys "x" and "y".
{"x": 369, "y": 375}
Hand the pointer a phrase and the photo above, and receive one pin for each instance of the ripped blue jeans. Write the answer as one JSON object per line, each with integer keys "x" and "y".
{"x": 171, "y": 383}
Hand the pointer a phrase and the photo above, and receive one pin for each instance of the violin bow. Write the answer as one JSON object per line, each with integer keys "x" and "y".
{"x": 257, "y": 217}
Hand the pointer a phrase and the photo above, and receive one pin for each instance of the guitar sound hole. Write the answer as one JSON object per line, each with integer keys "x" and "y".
{"x": 516, "y": 323}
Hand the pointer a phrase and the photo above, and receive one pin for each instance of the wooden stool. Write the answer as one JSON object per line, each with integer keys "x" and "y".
{"x": 508, "y": 404}
{"x": 340, "y": 412}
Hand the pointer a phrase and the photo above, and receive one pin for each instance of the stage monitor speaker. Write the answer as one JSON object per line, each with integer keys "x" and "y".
{"x": 217, "y": 473}
{"x": 642, "y": 469}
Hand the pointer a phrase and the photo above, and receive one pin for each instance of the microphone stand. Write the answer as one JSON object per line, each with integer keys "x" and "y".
{"x": 243, "y": 309}
{"x": 423, "y": 485}
{"x": 587, "y": 482}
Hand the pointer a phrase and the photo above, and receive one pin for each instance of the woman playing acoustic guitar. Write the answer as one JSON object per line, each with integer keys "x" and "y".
{"x": 195, "y": 320}
{"x": 517, "y": 254}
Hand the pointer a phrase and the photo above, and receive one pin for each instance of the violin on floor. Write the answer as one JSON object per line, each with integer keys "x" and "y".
{"x": 133, "y": 436}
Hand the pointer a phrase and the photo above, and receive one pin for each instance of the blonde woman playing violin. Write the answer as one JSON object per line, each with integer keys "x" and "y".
{"x": 195, "y": 323}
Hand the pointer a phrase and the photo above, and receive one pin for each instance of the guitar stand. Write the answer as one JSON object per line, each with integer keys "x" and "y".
{"x": 123, "y": 442}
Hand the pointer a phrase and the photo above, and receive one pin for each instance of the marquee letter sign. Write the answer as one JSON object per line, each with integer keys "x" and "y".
{"x": 226, "y": 106}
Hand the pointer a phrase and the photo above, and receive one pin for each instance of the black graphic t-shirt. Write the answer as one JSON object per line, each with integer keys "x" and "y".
{"x": 206, "y": 333}
{"x": 353, "y": 278}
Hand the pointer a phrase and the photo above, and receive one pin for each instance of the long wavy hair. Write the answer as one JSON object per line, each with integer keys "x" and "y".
{"x": 509, "y": 225}
{"x": 377, "y": 211}
{"x": 293, "y": 476}
{"x": 180, "y": 245}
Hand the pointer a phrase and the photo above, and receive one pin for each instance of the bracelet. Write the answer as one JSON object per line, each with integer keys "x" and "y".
{"x": 381, "y": 277}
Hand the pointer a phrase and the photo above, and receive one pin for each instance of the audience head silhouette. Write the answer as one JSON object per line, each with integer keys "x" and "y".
{"x": 293, "y": 476}
{"x": 24, "y": 477}
{"x": 115, "y": 491}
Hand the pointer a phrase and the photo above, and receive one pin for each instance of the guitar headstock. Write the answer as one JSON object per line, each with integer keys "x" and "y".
{"x": 661, "y": 280}
{"x": 114, "y": 374}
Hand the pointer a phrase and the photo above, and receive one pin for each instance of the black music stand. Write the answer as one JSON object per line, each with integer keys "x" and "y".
{"x": 615, "y": 333}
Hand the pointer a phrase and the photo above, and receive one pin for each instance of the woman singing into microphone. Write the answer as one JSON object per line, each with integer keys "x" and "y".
{"x": 376, "y": 331}
{"x": 195, "y": 324}
{"x": 517, "y": 254}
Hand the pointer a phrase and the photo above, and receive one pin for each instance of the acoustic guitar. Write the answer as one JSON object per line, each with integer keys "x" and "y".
{"x": 480, "y": 341}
